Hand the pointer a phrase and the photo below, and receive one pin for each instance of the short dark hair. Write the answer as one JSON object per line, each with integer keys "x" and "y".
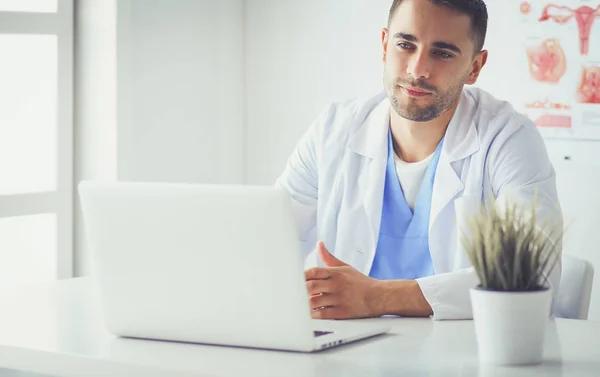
{"x": 475, "y": 9}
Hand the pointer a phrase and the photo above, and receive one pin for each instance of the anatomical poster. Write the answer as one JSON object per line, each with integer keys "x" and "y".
{"x": 544, "y": 58}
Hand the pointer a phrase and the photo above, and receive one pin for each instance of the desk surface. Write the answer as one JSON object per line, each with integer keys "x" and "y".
{"x": 57, "y": 329}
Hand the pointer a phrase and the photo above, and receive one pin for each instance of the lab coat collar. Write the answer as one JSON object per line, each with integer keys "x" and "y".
{"x": 370, "y": 140}
{"x": 461, "y": 139}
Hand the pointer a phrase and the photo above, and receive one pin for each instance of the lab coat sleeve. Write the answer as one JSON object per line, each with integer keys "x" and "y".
{"x": 300, "y": 180}
{"x": 521, "y": 171}
{"x": 448, "y": 294}
{"x": 518, "y": 168}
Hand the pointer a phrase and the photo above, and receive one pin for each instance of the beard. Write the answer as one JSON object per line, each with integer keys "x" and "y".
{"x": 443, "y": 100}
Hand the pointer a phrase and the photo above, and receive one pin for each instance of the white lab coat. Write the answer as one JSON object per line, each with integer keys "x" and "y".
{"x": 336, "y": 177}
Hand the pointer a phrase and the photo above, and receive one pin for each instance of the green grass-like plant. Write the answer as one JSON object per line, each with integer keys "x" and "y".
{"x": 507, "y": 249}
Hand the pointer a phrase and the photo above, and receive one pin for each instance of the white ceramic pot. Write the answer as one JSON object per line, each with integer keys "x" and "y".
{"x": 510, "y": 327}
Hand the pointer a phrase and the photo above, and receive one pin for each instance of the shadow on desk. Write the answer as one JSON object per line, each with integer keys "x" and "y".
{"x": 16, "y": 373}
{"x": 229, "y": 360}
{"x": 117, "y": 344}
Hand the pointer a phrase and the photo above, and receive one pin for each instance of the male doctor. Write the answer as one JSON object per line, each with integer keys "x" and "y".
{"x": 381, "y": 185}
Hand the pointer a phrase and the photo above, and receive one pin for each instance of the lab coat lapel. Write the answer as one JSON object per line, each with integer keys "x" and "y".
{"x": 446, "y": 187}
{"x": 370, "y": 142}
{"x": 460, "y": 142}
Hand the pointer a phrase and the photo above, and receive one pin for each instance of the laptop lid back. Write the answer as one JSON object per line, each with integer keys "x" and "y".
{"x": 216, "y": 264}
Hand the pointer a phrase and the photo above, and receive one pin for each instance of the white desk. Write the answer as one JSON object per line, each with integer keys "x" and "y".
{"x": 56, "y": 329}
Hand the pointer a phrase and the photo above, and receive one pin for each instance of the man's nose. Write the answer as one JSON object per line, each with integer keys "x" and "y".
{"x": 419, "y": 66}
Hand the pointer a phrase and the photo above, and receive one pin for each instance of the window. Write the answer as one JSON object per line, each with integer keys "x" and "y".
{"x": 47, "y": 6}
{"x": 36, "y": 141}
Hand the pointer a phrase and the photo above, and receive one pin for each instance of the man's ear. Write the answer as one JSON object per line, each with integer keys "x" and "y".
{"x": 384, "y": 42}
{"x": 477, "y": 66}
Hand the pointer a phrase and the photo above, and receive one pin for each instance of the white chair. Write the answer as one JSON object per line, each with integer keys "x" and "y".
{"x": 575, "y": 288}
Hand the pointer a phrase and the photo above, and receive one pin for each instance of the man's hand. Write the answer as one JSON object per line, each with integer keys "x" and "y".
{"x": 339, "y": 291}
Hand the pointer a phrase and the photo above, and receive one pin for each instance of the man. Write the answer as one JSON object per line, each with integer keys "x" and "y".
{"x": 381, "y": 185}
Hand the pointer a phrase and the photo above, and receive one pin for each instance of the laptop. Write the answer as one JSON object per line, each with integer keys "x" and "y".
{"x": 211, "y": 264}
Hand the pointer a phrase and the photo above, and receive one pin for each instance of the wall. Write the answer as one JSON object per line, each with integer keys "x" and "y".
{"x": 578, "y": 177}
{"x": 95, "y": 105}
{"x": 181, "y": 90}
{"x": 300, "y": 56}
{"x": 179, "y": 98}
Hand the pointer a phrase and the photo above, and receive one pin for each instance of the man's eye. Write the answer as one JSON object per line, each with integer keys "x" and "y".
{"x": 443, "y": 54}
{"x": 404, "y": 45}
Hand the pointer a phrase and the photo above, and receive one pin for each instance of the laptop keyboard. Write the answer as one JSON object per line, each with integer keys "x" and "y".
{"x": 321, "y": 333}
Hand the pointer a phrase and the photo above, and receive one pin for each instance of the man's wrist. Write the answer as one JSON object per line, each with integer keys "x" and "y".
{"x": 400, "y": 297}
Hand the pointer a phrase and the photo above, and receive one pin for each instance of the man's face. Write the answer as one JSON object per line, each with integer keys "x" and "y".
{"x": 428, "y": 57}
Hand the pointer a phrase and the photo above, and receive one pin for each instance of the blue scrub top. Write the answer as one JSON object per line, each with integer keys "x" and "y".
{"x": 403, "y": 244}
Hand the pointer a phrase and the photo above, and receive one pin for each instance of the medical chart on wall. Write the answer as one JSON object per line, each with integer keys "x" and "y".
{"x": 545, "y": 60}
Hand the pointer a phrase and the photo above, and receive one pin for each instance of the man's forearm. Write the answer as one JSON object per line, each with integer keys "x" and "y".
{"x": 401, "y": 297}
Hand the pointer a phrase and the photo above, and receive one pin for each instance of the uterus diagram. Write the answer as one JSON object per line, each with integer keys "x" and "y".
{"x": 584, "y": 16}
{"x": 588, "y": 90}
{"x": 547, "y": 61}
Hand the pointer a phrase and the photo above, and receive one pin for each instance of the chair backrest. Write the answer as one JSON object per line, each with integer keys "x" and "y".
{"x": 575, "y": 288}
{"x": 577, "y": 182}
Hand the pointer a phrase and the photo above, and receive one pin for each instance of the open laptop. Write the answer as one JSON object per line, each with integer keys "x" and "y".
{"x": 213, "y": 264}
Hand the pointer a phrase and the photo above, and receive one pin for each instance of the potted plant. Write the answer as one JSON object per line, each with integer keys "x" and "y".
{"x": 512, "y": 257}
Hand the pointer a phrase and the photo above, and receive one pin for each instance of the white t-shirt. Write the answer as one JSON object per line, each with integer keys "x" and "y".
{"x": 410, "y": 175}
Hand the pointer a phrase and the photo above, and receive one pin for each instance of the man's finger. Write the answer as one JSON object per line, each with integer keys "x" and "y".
{"x": 317, "y": 273}
{"x": 322, "y": 300}
{"x": 327, "y": 257}
{"x": 332, "y": 312}
{"x": 319, "y": 286}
